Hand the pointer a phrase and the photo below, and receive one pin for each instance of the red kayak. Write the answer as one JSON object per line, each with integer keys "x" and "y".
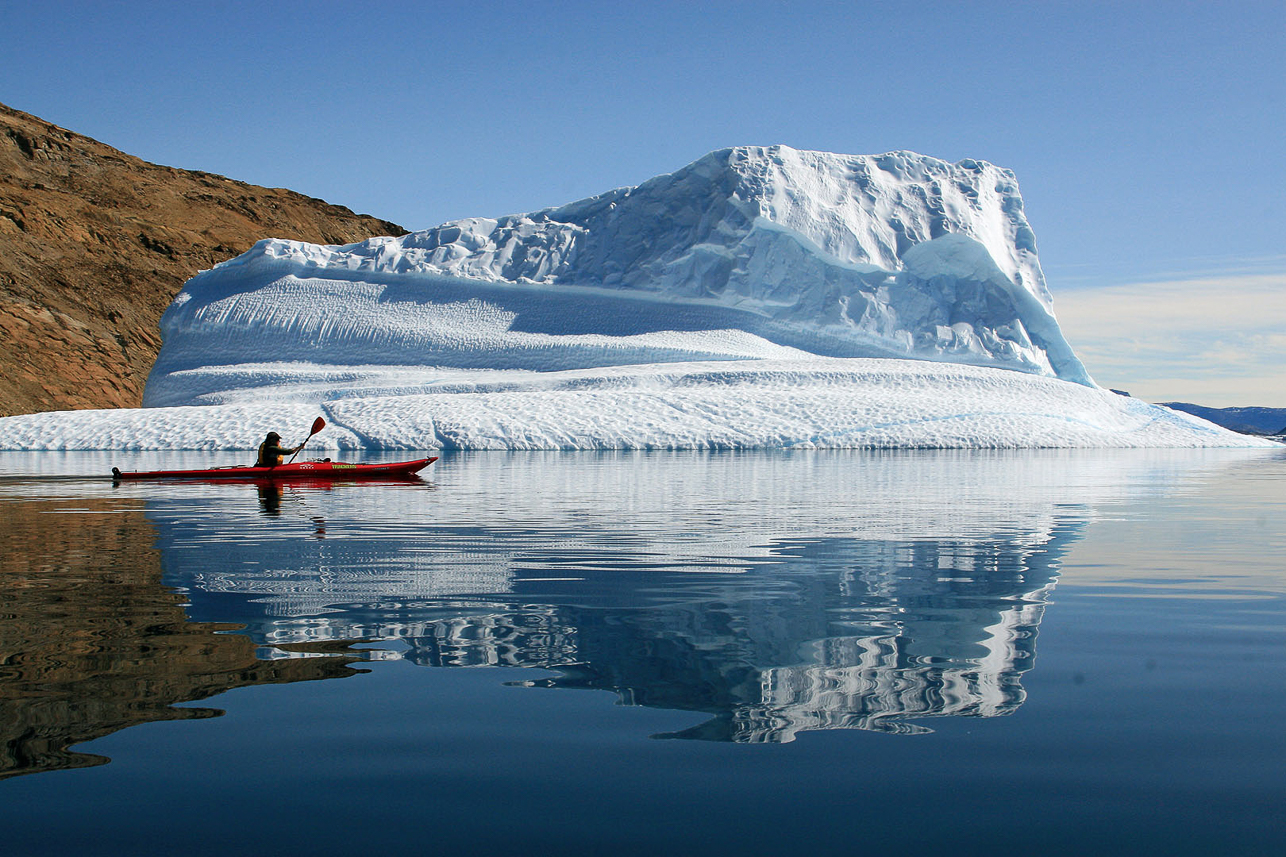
{"x": 303, "y": 470}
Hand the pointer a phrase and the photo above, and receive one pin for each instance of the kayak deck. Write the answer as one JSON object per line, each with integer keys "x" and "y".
{"x": 302, "y": 470}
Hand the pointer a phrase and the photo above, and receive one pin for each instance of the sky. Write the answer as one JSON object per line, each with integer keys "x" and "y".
{"x": 1149, "y": 138}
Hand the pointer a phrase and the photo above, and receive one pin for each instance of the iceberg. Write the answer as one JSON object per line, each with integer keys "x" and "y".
{"x": 758, "y": 297}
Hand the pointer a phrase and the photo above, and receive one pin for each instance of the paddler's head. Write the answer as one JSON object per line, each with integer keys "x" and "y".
{"x": 273, "y": 437}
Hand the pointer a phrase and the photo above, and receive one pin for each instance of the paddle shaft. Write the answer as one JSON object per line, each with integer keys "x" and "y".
{"x": 318, "y": 425}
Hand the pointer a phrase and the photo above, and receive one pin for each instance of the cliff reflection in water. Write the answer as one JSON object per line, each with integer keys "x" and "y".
{"x": 91, "y": 642}
{"x": 776, "y": 595}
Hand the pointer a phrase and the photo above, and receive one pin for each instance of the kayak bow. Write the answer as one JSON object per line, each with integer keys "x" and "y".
{"x": 302, "y": 470}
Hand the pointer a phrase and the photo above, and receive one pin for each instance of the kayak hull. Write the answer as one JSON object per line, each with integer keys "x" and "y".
{"x": 317, "y": 470}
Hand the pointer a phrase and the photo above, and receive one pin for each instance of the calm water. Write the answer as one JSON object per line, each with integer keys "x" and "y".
{"x": 776, "y": 653}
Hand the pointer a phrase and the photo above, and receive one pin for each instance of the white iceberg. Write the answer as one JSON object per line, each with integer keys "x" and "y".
{"x": 759, "y": 297}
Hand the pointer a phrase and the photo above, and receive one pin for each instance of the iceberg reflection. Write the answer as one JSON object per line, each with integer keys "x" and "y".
{"x": 777, "y": 594}
{"x": 834, "y": 634}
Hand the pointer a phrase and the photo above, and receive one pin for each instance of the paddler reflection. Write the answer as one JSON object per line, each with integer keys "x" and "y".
{"x": 271, "y": 493}
{"x": 270, "y": 498}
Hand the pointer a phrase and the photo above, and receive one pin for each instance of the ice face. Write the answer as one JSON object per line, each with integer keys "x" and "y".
{"x": 895, "y": 255}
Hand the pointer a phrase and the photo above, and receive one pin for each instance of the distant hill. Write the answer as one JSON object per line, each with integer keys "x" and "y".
{"x": 95, "y": 243}
{"x": 1262, "y": 421}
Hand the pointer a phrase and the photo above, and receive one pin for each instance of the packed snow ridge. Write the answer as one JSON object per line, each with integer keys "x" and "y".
{"x": 759, "y": 297}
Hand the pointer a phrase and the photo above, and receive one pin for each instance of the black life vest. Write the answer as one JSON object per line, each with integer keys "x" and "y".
{"x": 263, "y": 448}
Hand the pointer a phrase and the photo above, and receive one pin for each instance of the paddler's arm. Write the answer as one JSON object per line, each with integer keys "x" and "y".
{"x": 281, "y": 450}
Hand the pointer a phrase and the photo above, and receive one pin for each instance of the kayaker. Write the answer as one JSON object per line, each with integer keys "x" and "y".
{"x": 271, "y": 451}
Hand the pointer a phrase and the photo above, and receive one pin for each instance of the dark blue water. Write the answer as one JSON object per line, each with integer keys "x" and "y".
{"x": 776, "y": 653}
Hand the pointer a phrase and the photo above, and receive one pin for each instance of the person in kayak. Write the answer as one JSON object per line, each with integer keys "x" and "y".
{"x": 271, "y": 451}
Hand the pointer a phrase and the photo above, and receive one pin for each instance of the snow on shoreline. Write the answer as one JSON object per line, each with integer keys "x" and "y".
{"x": 822, "y": 403}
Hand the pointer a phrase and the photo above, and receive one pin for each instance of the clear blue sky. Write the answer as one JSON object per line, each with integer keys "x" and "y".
{"x": 1149, "y": 138}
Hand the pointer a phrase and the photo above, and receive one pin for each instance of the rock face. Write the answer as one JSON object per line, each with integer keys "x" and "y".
{"x": 94, "y": 244}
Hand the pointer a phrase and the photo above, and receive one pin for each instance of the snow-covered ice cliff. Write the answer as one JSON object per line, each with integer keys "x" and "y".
{"x": 747, "y": 252}
{"x": 759, "y": 297}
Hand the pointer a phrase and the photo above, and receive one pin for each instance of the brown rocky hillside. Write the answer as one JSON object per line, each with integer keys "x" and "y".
{"x": 95, "y": 243}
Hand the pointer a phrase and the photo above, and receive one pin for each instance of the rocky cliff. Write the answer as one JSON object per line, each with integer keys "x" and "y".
{"x": 95, "y": 243}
